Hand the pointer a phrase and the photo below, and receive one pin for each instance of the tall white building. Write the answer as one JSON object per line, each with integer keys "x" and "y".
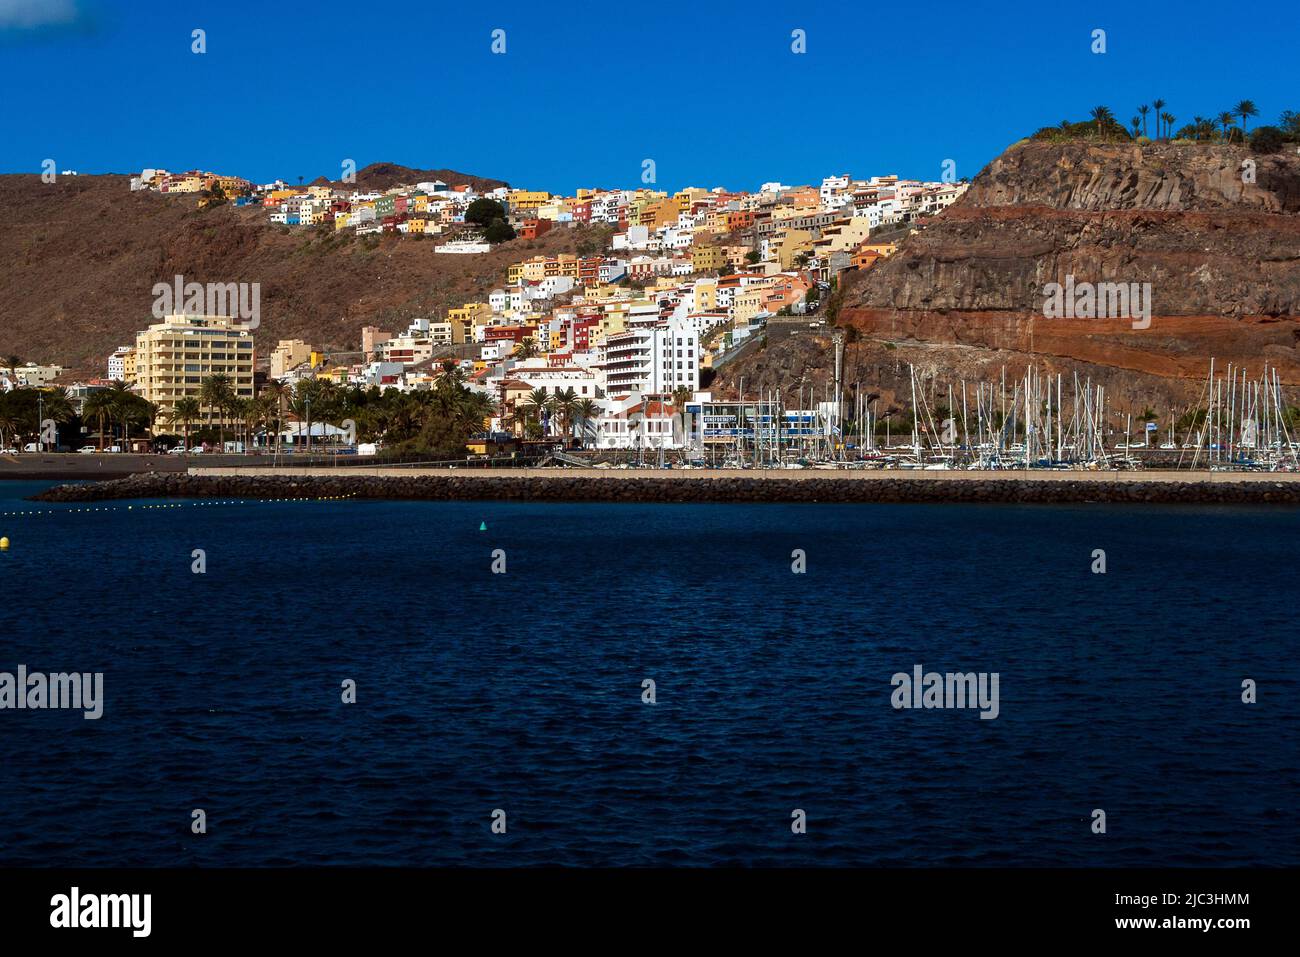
{"x": 652, "y": 360}
{"x": 117, "y": 363}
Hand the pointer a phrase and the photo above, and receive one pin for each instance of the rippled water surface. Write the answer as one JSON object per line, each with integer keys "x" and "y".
{"x": 523, "y": 691}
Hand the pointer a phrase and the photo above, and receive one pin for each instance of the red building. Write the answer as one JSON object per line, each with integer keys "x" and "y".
{"x": 532, "y": 228}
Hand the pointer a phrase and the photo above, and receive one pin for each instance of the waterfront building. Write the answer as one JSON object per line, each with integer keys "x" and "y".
{"x": 174, "y": 356}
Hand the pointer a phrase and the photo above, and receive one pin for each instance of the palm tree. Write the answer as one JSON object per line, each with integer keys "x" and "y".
{"x": 1137, "y": 127}
{"x": 125, "y": 406}
{"x": 185, "y": 411}
{"x": 1158, "y": 105}
{"x": 278, "y": 394}
{"x": 565, "y": 403}
{"x": 1143, "y": 110}
{"x": 526, "y": 349}
{"x": 257, "y": 411}
{"x": 537, "y": 402}
{"x": 1102, "y": 116}
{"x": 10, "y": 421}
{"x": 1169, "y": 124}
{"x": 98, "y": 407}
{"x": 300, "y": 405}
{"x": 452, "y": 373}
{"x": 1226, "y": 119}
{"x": 1245, "y": 109}
{"x": 215, "y": 393}
{"x": 585, "y": 410}
{"x": 55, "y": 405}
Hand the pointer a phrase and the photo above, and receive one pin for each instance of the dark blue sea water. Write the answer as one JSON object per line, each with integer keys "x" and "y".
{"x": 523, "y": 691}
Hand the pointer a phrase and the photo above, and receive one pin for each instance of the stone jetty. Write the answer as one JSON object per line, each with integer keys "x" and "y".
{"x": 639, "y": 485}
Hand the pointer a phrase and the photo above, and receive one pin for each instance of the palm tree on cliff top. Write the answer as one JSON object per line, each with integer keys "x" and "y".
{"x": 1245, "y": 109}
{"x": 1143, "y": 110}
{"x": 1157, "y": 105}
{"x": 1226, "y": 119}
{"x": 1169, "y": 124}
{"x": 1103, "y": 117}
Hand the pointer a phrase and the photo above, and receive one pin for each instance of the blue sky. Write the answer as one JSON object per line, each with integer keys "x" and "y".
{"x": 712, "y": 92}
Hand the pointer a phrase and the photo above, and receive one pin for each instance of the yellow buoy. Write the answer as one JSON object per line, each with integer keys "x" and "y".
{"x": 4, "y": 544}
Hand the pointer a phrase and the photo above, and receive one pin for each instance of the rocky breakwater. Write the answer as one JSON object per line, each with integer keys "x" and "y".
{"x": 723, "y": 488}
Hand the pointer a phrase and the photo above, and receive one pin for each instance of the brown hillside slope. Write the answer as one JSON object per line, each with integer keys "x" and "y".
{"x": 386, "y": 175}
{"x": 79, "y": 258}
{"x": 964, "y": 297}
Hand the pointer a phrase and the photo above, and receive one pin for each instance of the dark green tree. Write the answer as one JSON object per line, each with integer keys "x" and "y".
{"x": 499, "y": 231}
{"x": 482, "y": 212}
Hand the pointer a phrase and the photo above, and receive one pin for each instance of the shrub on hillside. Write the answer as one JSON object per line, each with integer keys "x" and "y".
{"x": 499, "y": 231}
{"x": 1266, "y": 139}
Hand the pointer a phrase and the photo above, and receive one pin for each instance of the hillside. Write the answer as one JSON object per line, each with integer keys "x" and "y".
{"x": 964, "y": 296}
{"x": 79, "y": 258}
{"x": 386, "y": 175}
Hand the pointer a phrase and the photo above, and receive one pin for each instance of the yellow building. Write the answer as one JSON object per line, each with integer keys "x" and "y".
{"x": 531, "y": 270}
{"x": 657, "y": 213}
{"x": 880, "y": 249}
{"x": 287, "y": 355}
{"x": 708, "y": 258}
{"x": 787, "y": 244}
{"x": 464, "y": 318}
{"x": 687, "y": 198}
{"x": 336, "y": 374}
{"x": 748, "y": 303}
{"x": 174, "y": 356}
{"x": 232, "y": 184}
{"x": 525, "y": 200}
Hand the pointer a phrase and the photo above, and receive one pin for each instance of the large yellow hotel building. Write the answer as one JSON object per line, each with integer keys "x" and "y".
{"x": 173, "y": 357}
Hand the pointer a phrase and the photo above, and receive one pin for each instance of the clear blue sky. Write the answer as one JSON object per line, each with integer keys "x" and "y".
{"x": 710, "y": 91}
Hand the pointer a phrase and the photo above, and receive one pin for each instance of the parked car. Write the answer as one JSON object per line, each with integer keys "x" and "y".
{"x": 177, "y": 450}
{"x": 87, "y": 450}
{"x": 31, "y": 447}
{"x": 8, "y": 451}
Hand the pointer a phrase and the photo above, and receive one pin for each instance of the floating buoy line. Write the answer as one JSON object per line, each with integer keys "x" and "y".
{"x": 207, "y": 503}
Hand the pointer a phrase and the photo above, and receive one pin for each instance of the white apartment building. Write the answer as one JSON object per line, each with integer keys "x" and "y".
{"x": 117, "y": 363}
{"x": 634, "y": 422}
{"x": 833, "y": 186}
{"x": 556, "y": 379}
{"x": 654, "y": 359}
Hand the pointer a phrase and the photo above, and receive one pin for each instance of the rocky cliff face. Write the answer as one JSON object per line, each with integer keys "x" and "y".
{"x": 1178, "y": 217}
{"x": 1217, "y": 238}
{"x": 1167, "y": 178}
{"x": 963, "y": 298}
